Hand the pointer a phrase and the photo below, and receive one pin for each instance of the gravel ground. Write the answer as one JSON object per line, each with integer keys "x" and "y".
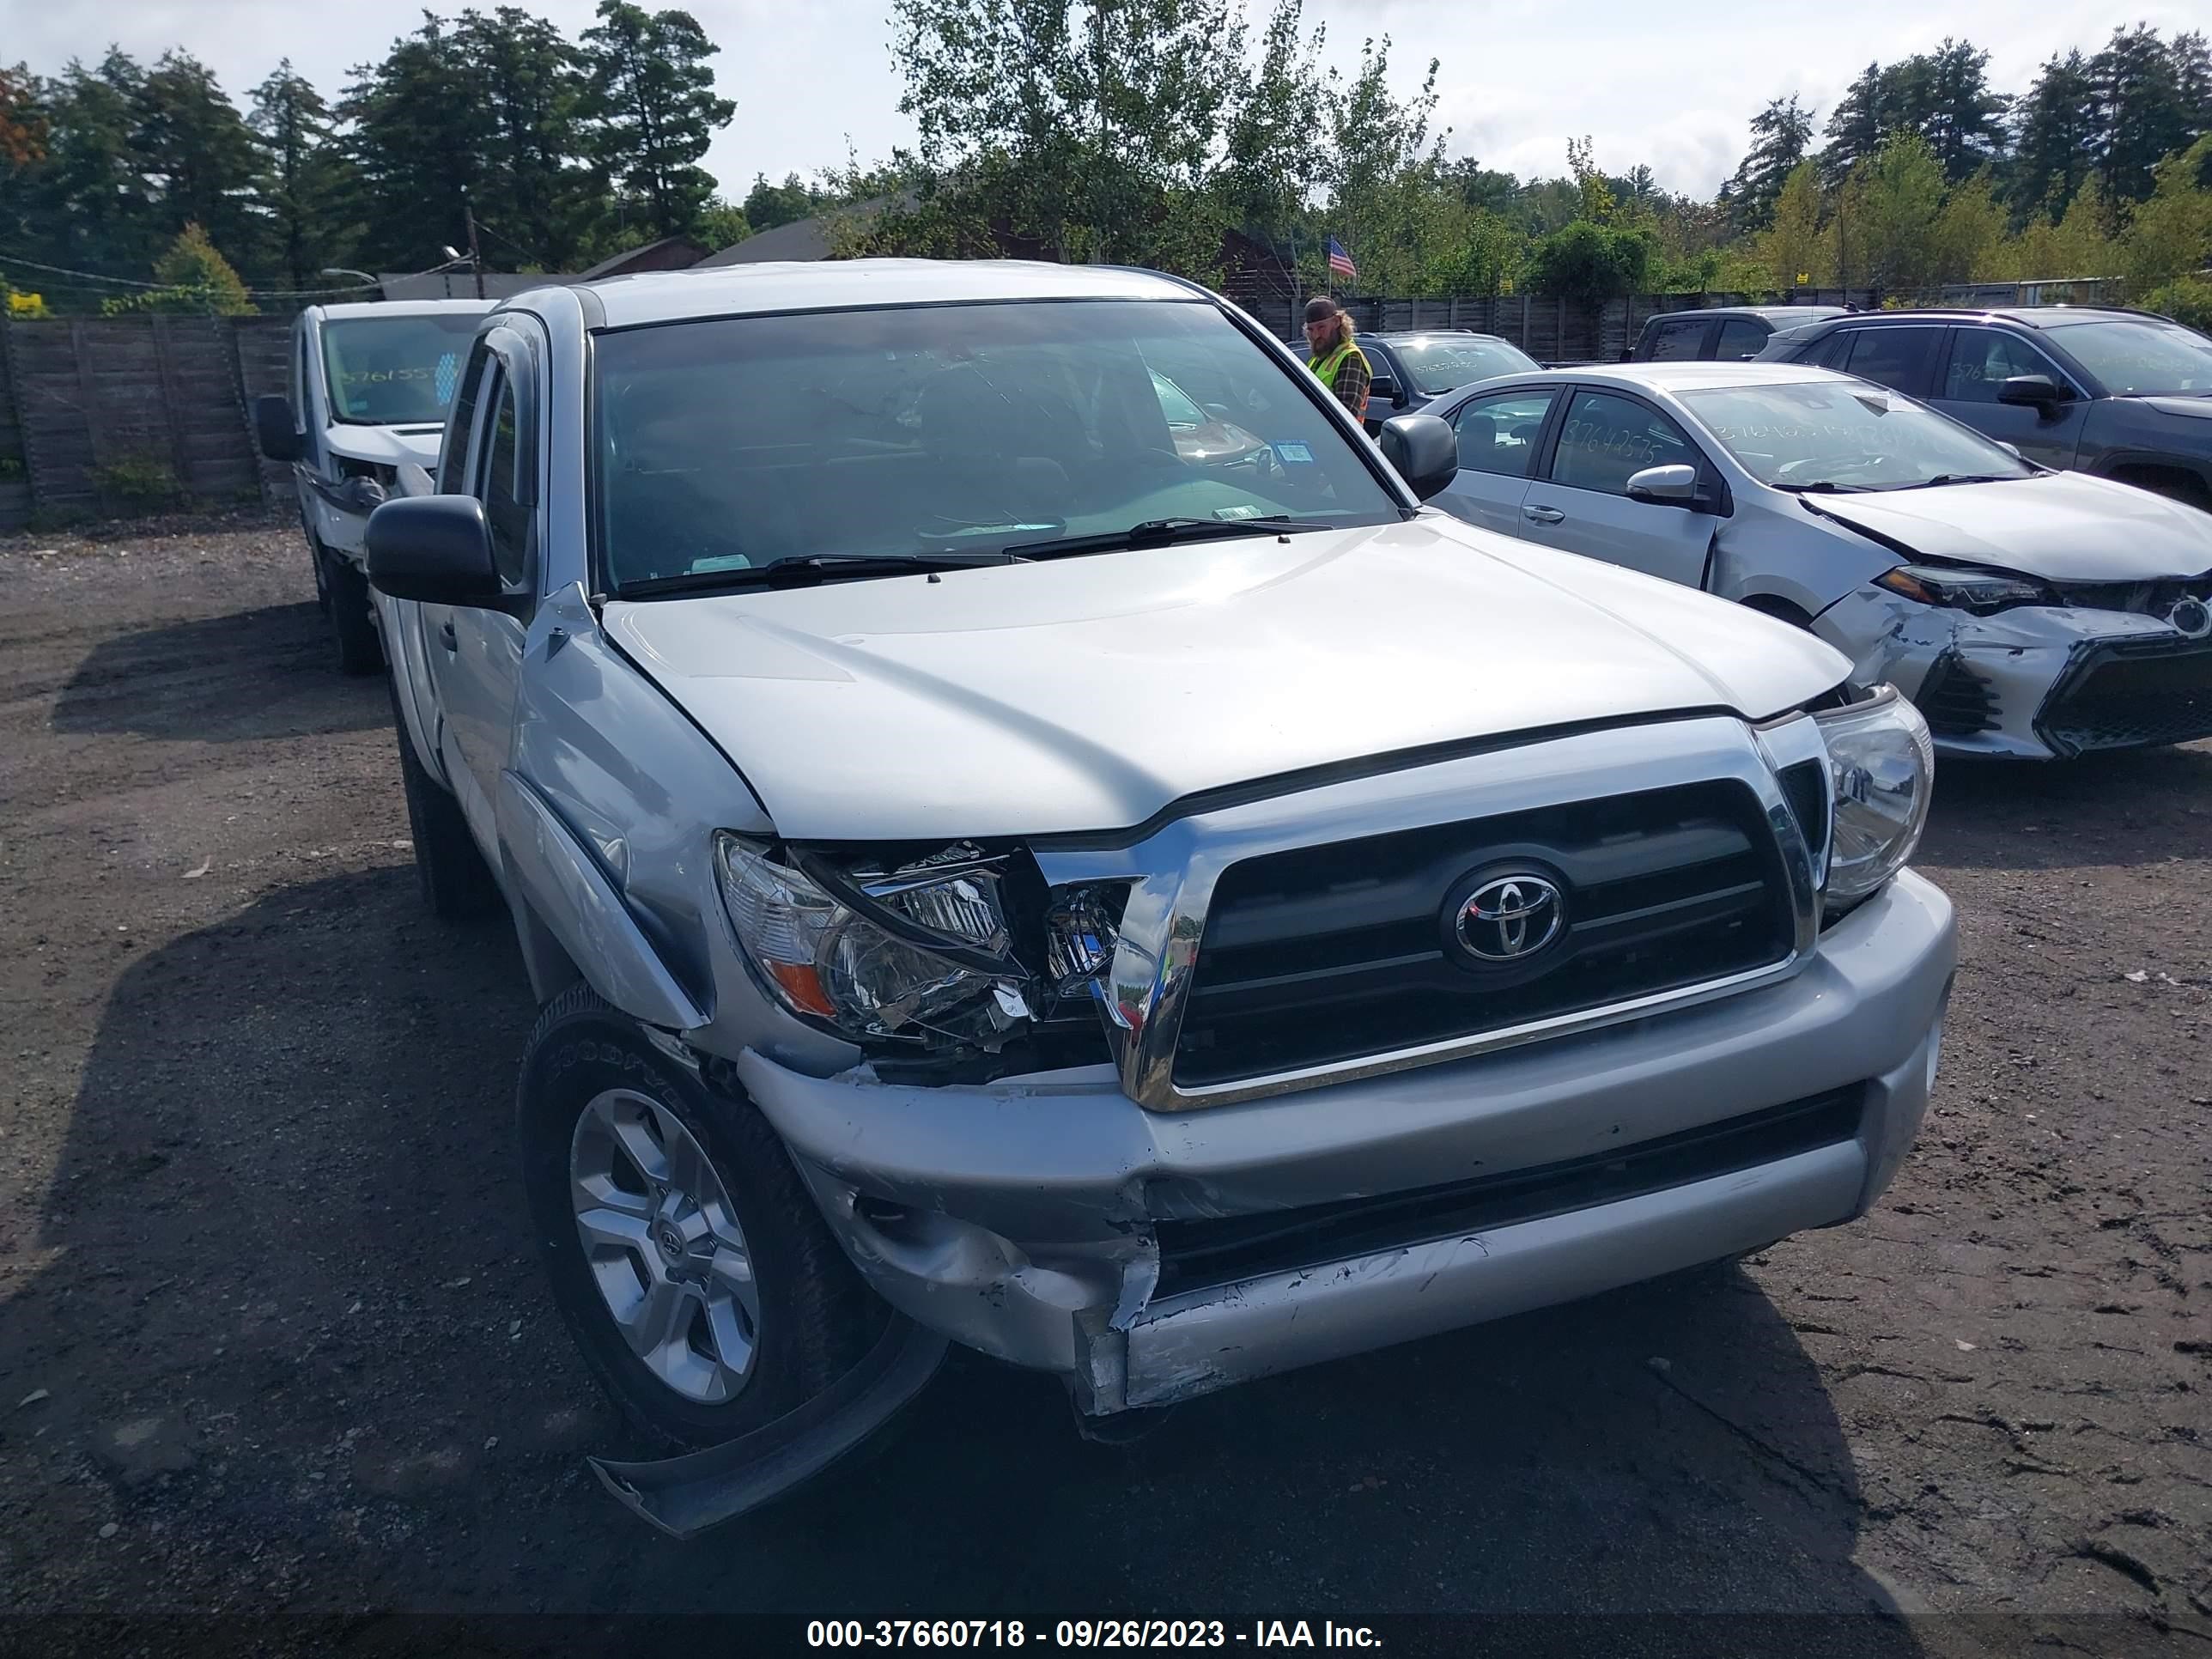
{"x": 271, "y": 1337}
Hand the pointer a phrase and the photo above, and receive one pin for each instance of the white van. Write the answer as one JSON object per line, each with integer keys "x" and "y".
{"x": 371, "y": 384}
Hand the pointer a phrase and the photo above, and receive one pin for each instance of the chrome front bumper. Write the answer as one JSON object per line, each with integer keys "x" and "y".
{"x": 1019, "y": 1218}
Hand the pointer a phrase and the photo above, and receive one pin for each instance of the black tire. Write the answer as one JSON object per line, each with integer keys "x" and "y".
{"x": 456, "y": 884}
{"x": 360, "y": 650}
{"x": 817, "y": 1319}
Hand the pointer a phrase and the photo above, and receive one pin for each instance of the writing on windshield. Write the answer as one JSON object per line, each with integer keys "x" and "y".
{"x": 395, "y": 371}
{"x": 1845, "y": 435}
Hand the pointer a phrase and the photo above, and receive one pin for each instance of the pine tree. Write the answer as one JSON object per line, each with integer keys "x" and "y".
{"x": 1856, "y": 125}
{"x": 90, "y": 204}
{"x": 2139, "y": 100}
{"x": 1962, "y": 120}
{"x": 1780, "y": 135}
{"x": 420, "y": 128}
{"x": 540, "y": 199}
{"x": 2055, "y": 143}
{"x": 299, "y": 172}
{"x": 652, "y": 97}
{"x": 191, "y": 141}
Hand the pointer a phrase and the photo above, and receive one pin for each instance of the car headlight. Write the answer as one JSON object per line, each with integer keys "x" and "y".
{"x": 1960, "y": 588}
{"x": 1881, "y": 765}
{"x": 914, "y": 954}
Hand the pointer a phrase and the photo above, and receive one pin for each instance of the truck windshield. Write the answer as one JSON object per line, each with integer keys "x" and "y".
{"x": 733, "y": 443}
{"x": 1846, "y": 435}
{"x": 395, "y": 371}
{"x": 2131, "y": 358}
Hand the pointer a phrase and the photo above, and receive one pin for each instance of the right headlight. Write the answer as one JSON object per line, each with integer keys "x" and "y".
{"x": 1881, "y": 766}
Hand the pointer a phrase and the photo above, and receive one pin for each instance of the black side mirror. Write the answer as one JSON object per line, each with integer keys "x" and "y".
{"x": 2035, "y": 390}
{"x": 436, "y": 549}
{"x": 275, "y": 429}
{"x": 1423, "y": 450}
{"x": 1387, "y": 388}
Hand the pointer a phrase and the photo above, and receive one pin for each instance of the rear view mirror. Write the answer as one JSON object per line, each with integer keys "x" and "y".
{"x": 1423, "y": 450}
{"x": 1666, "y": 486}
{"x": 436, "y": 549}
{"x": 275, "y": 430}
{"x": 2035, "y": 390}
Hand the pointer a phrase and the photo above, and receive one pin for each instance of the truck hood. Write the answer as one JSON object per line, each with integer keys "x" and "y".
{"x": 2061, "y": 526}
{"x": 1087, "y": 694}
{"x": 385, "y": 446}
{"x": 2198, "y": 406}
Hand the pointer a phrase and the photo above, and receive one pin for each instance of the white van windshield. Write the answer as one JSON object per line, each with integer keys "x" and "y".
{"x": 395, "y": 371}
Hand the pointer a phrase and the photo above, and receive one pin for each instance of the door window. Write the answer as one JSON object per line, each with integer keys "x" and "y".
{"x": 454, "y": 460}
{"x": 1607, "y": 439}
{"x": 1898, "y": 358}
{"x": 1498, "y": 433}
{"x": 1741, "y": 337}
{"x": 1677, "y": 342}
{"x": 501, "y": 484}
{"x": 1984, "y": 359}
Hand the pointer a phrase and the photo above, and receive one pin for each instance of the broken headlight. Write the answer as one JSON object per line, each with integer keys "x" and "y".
{"x": 913, "y": 953}
{"x": 1883, "y": 764}
{"x": 1961, "y": 589}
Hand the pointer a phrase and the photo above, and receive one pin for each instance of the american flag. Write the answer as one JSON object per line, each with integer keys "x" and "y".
{"x": 1340, "y": 262}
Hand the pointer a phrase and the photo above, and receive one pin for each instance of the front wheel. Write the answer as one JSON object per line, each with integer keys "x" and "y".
{"x": 353, "y": 629}
{"x": 695, "y": 1274}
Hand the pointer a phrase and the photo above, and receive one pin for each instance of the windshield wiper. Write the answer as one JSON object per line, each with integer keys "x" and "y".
{"x": 1826, "y": 487}
{"x": 1162, "y": 532}
{"x": 810, "y": 571}
{"x": 1958, "y": 477}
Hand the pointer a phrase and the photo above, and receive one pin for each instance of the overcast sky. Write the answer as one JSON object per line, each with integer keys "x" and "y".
{"x": 1670, "y": 86}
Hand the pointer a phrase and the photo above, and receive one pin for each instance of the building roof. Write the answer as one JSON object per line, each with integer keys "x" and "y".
{"x": 794, "y": 285}
{"x": 677, "y": 252}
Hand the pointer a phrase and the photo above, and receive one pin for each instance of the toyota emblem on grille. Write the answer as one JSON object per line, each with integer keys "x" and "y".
{"x": 1510, "y": 918}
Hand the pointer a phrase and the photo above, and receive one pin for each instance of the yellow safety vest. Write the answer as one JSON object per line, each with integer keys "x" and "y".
{"x": 1325, "y": 370}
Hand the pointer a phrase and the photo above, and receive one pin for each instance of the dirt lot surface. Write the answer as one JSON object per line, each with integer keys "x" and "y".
{"x": 271, "y": 1336}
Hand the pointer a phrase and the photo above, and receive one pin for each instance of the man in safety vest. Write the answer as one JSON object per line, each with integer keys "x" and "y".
{"x": 1337, "y": 363}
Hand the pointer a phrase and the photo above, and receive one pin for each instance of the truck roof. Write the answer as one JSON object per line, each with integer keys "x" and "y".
{"x": 404, "y": 308}
{"x": 841, "y": 284}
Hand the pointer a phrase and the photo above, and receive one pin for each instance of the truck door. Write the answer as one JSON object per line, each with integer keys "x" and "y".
{"x": 478, "y": 650}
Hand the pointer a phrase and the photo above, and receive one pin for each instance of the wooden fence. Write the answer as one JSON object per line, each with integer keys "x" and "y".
{"x": 130, "y": 415}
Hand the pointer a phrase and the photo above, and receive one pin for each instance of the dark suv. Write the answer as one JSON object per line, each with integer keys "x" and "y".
{"x": 1728, "y": 333}
{"x": 2122, "y": 394}
{"x": 1411, "y": 369}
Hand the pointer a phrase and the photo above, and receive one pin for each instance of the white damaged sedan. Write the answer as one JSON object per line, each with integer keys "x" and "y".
{"x": 2030, "y": 614}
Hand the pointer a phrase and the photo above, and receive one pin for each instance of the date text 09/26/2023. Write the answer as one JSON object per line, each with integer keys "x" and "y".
{"x": 1085, "y": 1633}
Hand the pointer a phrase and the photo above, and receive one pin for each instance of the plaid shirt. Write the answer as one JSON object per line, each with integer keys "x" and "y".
{"x": 1353, "y": 377}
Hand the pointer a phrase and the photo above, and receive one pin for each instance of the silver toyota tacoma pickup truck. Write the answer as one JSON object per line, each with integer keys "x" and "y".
{"x": 994, "y": 876}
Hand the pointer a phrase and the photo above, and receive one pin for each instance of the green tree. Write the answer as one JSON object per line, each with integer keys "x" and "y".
{"x": 2169, "y": 234}
{"x": 2081, "y": 244}
{"x": 2140, "y": 108}
{"x": 300, "y": 168}
{"x": 1780, "y": 135}
{"x": 654, "y": 110}
{"x": 191, "y": 142}
{"x": 1891, "y": 203}
{"x": 1956, "y": 111}
{"x": 418, "y": 134}
{"x": 529, "y": 80}
{"x": 722, "y": 224}
{"x": 1857, "y": 125}
{"x": 767, "y": 205}
{"x": 90, "y": 206}
{"x": 1798, "y": 244}
{"x": 22, "y": 123}
{"x": 194, "y": 277}
{"x": 2055, "y": 138}
{"x": 1970, "y": 244}
{"x": 1274, "y": 155}
{"x": 1590, "y": 262}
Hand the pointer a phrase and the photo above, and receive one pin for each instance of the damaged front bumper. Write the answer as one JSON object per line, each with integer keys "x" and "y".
{"x": 1149, "y": 1257}
{"x": 2031, "y": 682}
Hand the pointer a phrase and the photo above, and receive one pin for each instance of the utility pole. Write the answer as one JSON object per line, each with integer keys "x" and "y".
{"x": 475, "y": 254}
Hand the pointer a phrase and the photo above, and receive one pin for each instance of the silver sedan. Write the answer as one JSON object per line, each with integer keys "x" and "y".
{"x": 2030, "y": 614}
